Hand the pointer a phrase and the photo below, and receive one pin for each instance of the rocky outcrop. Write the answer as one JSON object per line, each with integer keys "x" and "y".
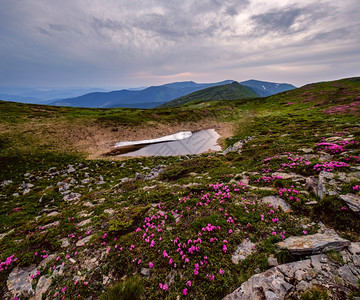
{"x": 289, "y": 280}
{"x": 313, "y": 244}
{"x": 20, "y": 281}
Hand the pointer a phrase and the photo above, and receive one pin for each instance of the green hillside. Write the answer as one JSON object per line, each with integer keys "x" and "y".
{"x": 77, "y": 224}
{"x": 231, "y": 91}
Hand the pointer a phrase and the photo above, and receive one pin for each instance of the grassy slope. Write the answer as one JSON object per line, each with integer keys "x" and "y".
{"x": 283, "y": 123}
{"x": 232, "y": 91}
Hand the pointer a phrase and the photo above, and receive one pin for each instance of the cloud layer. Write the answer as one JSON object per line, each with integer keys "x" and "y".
{"x": 143, "y": 42}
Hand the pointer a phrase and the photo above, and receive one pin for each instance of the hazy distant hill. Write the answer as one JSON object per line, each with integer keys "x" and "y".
{"x": 149, "y": 97}
{"x": 265, "y": 89}
{"x": 42, "y": 95}
{"x": 230, "y": 91}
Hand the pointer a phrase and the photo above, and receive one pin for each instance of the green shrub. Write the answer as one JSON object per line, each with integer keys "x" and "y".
{"x": 132, "y": 288}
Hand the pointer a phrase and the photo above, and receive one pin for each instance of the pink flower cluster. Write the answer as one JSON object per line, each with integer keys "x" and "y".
{"x": 330, "y": 166}
{"x": 4, "y": 265}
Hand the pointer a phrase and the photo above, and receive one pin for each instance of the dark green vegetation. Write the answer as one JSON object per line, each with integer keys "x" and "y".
{"x": 230, "y": 91}
{"x": 52, "y": 197}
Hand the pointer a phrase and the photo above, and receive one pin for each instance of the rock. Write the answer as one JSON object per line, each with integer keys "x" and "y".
{"x": 277, "y": 201}
{"x": 83, "y": 241}
{"x": 64, "y": 243}
{"x": 353, "y": 201}
{"x": 45, "y": 261}
{"x": 311, "y": 184}
{"x": 268, "y": 285}
{"x": 20, "y": 282}
{"x": 291, "y": 176}
{"x": 313, "y": 244}
{"x": 56, "y": 223}
{"x": 322, "y": 183}
{"x": 109, "y": 211}
{"x": 91, "y": 263}
{"x": 73, "y": 261}
{"x": 243, "y": 250}
{"x": 5, "y": 234}
{"x": 53, "y": 214}
{"x": 145, "y": 271}
{"x": 346, "y": 274}
{"x": 71, "y": 169}
{"x": 272, "y": 261}
{"x": 42, "y": 287}
{"x": 106, "y": 280}
{"x": 72, "y": 197}
{"x": 306, "y": 150}
{"x": 83, "y": 223}
{"x": 354, "y": 248}
{"x": 238, "y": 145}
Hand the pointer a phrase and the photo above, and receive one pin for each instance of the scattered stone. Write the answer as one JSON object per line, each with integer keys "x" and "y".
{"x": 91, "y": 263}
{"x": 5, "y": 234}
{"x": 311, "y": 184}
{"x": 145, "y": 271}
{"x": 245, "y": 249}
{"x": 73, "y": 261}
{"x": 353, "y": 201}
{"x": 64, "y": 243}
{"x": 88, "y": 204}
{"x": 71, "y": 169}
{"x": 56, "y": 223}
{"x": 313, "y": 244}
{"x": 291, "y": 176}
{"x": 238, "y": 145}
{"x": 323, "y": 183}
{"x": 306, "y": 150}
{"x": 83, "y": 223}
{"x": 83, "y": 241}
{"x": 106, "y": 280}
{"x": 45, "y": 261}
{"x": 72, "y": 197}
{"x": 277, "y": 201}
{"x": 53, "y": 214}
{"x": 272, "y": 261}
{"x": 109, "y": 211}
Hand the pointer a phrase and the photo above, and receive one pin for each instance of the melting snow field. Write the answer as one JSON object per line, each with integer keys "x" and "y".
{"x": 181, "y": 143}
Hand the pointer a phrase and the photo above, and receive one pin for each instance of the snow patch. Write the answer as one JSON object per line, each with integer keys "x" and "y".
{"x": 167, "y": 138}
{"x": 263, "y": 87}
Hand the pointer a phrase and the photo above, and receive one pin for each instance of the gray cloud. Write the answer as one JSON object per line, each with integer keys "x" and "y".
{"x": 92, "y": 42}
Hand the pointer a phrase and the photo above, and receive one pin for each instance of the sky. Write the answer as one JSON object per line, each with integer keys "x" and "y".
{"x": 122, "y": 43}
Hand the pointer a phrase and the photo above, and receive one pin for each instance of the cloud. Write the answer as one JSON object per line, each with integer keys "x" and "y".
{"x": 92, "y": 42}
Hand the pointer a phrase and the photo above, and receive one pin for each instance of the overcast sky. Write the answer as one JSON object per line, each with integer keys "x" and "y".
{"x": 129, "y": 43}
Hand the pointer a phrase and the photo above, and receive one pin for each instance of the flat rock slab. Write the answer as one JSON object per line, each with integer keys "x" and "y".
{"x": 313, "y": 244}
{"x": 276, "y": 202}
{"x": 353, "y": 201}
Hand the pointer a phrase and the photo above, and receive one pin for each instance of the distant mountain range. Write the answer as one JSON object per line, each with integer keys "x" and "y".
{"x": 230, "y": 91}
{"x": 149, "y": 97}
